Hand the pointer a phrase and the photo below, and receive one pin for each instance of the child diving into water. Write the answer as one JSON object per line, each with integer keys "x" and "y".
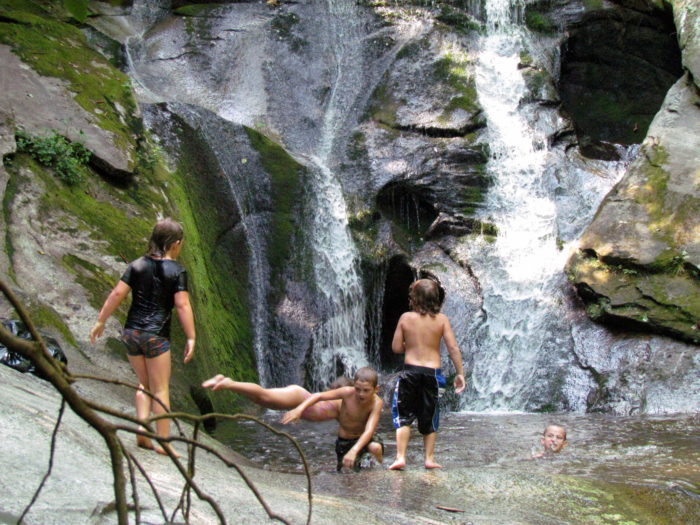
{"x": 157, "y": 284}
{"x": 418, "y": 335}
{"x": 358, "y": 416}
{"x": 283, "y": 398}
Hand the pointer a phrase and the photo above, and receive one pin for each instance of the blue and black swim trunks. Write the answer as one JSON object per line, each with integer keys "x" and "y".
{"x": 416, "y": 396}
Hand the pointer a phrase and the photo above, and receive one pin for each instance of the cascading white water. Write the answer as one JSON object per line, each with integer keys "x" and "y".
{"x": 524, "y": 341}
{"x": 340, "y": 335}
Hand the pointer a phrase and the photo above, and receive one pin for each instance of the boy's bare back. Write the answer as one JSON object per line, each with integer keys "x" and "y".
{"x": 418, "y": 335}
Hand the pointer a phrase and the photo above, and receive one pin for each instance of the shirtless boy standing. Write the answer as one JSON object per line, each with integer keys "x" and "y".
{"x": 418, "y": 335}
{"x": 358, "y": 416}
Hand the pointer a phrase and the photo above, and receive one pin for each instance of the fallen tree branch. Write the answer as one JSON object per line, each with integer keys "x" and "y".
{"x": 61, "y": 379}
{"x": 51, "y": 456}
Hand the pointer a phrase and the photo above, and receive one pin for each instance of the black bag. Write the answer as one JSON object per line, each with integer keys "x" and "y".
{"x": 17, "y": 361}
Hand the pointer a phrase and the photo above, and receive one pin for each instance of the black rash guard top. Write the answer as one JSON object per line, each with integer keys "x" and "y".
{"x": 154, "y": 283}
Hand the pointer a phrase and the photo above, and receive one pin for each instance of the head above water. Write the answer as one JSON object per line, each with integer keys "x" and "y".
{"x": 165, "y": 233}
{"x": 425, "y": 296}
{"x": 554, "y": 438}
{"x": 367, "y": 374}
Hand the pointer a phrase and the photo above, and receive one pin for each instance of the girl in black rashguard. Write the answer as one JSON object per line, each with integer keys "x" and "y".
{"x": 157, "y": 283}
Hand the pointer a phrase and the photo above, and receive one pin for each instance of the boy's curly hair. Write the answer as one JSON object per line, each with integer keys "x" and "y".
{"x": 425, "y": 297}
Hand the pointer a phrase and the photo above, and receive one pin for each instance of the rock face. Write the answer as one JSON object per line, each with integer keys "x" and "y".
{"x": 638, "y": 261}
{"x": 616, "y": 66}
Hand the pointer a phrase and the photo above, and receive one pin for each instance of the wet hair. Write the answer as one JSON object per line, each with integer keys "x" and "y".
{"x": 425, "y": 296}
{"x": 544, "y": 432}
{"x": 367, "y": 374}
{"x": 340, "y": 382}
{"x": 166, "y": 232}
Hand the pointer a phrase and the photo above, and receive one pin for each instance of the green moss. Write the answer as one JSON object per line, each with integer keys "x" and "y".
{"x": 539, "y": 22}
{"x": 13, "y": 182}
{"x": 78, "y": 9}
{"x": 283, "y": 24}
{"x": 383, "y": 107}
{"x": 44, "y": 316}
{"x": 115, "y": 347}
{"x": 535, "y": 79}
{"x": 124, "y": 234}
{"x": 196, "y": 10}
{"x": 593, "y": 5}
{"x": 218, "y": 276}
{"x": 94, "y": 280}
{"x": 286, "y": 176}
{"x": 60, "y": 50}
{"x": 409, "y": 51}
{"x": 459, "y": 20}
{"x": 357, "y": 147}
{"x": 453, "y": 70}
{"x": 526, "y": 59}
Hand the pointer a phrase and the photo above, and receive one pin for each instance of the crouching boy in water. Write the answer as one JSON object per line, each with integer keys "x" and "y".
{"x": 553, "y": 440}
{"x": 418, "y": 335}
{"x": 358, "y": 415}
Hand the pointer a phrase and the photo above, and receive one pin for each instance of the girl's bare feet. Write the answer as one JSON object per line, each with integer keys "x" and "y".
{"x": 144, "y": 442}
{"x": 432, "y": 464}
{"x": 161, "y": 450}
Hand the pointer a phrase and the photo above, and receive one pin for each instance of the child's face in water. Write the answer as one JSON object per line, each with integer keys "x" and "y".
{"x": 554, "y": 438}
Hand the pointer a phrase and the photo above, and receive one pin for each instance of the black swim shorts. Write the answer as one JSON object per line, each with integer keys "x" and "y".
{"x": 144, "y": 343}
{"x": 416, "y": 396}
{"x": 343, "y": 446}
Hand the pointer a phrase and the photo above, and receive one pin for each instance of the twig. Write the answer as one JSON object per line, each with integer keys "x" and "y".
{"x": 51, "y": 455}
{"x": 134, "y": 490}
{"x": 150, "y": 483}
{"x": 448, "y": 509}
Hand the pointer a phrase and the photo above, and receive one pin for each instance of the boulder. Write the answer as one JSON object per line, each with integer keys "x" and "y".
{"x": 637, "y": 263}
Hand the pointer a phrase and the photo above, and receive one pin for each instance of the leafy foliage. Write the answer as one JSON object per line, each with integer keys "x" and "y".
{"x": 57, "y": 152}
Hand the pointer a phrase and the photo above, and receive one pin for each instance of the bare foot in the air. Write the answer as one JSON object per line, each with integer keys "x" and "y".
{"x": 398, "y": 464}
{"x": 432, "y": 464}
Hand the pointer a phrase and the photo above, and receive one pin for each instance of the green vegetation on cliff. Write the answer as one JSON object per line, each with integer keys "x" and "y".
{"x": 58, "y": 49}
{"x": 286, "y": 177}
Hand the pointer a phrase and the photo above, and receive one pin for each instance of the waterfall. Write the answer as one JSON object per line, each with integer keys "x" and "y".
{"x": 339, "y": 338}
{"x": 522, "y": 350}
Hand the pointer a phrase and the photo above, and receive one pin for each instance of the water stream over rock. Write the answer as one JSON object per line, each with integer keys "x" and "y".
{"x": 313, "y": 77}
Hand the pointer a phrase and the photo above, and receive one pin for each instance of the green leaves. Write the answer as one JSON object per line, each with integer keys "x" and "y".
{"x": 57, "y": 152}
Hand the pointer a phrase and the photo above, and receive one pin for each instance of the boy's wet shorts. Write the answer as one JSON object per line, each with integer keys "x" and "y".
{"x": 416, "y": 396}
{"x": 343, "y": 446}
{"x": 144, "y": 343}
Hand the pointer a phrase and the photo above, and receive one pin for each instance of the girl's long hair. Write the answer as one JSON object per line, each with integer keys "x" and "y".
{"x": 165, "y": 233}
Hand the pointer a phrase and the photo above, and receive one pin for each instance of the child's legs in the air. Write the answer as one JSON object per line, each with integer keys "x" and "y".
{"x": 284, "y": 398}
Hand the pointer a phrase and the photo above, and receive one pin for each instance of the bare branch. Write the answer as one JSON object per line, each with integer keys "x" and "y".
{"x": 134, "y": 489}
{"x": 59, "y": 376}
{"x": 52, "y": 451}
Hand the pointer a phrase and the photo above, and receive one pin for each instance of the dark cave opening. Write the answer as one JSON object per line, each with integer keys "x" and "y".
{"x": 398, "y": 278}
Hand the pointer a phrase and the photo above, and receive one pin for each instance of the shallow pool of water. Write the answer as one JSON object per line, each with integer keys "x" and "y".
{"x": 643, "y": 469}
